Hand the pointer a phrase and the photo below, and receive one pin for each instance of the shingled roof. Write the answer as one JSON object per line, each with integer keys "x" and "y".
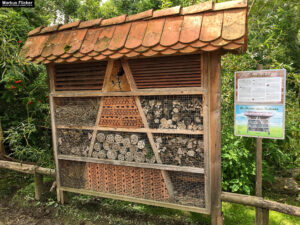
{"x": 199, "y": 28}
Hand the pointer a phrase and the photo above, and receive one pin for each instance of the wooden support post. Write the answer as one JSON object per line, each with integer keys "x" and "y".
{"x": 214, "y": 72}
{"x": 51, "y": 79}
{"x": 38, "y": 186}
{"x": 262, "y": 215}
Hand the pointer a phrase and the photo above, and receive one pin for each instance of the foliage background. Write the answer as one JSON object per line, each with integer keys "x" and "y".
{"x": 274, "y": 41}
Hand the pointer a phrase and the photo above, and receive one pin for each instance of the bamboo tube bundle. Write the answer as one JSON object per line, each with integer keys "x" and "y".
{"x": 174, "y": 112}
{"x": 123, "y": 146}
{"x": 76, "y": 111}
{"x": 74, "y": 142}
{"x": 182, "y": 150}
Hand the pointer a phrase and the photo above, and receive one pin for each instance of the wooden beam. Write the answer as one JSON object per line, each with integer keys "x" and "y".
{"x": 157, "y": 166}
{"x": 205, "y": 74}
{"x": 95, "y": 130}
{"x": 138, "y": 200}
{"x": 128, "y": 74}
{"x": 51, "y": 78}
{"x": 215, "y": 137}
{"x": 133, "y": 130}
{"x": 137, "y": 92}
{"x": 108, "y": 73}
{"x": 261, "y": 203}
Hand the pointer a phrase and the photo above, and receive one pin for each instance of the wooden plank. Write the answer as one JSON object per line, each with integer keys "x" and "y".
{"x": 204, "y": 74}
{"x": 128, "y": 75}
{"x": 108, "y": 73}
{"x": 167, "y": 82}
{"x": 86, "y": 87}
{"x": 137, "y": 200}
{"x": 51, "y": 77}
{"x": 162, "y": 86}
{"x": 204, "y": 71}
{"x": 176, "y": 131}
{"x": 83, "y": 72}
{"x": 215, "y": 137}
{"x": 84, "y": 83}
{"x": 143, "y": 92}
{"x": 134, "y": 130}
{"x": 79, "y": 78}
{"x": 157, "y": 166}
{"x": 96, "y": 124}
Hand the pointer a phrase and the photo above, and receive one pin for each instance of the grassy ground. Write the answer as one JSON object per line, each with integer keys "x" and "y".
{"x": 275, "y": 132}
{"x": 18, "y": 207}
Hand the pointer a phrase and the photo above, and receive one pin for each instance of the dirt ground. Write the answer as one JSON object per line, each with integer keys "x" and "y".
{"x": 12, "y": 216}
{"x": 18, "y": 207}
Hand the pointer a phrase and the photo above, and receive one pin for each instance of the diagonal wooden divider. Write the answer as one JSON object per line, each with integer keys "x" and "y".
{"x": 129, "y": 86}
{"x": 108, "y": 73}
{"x": 131, "y": 82}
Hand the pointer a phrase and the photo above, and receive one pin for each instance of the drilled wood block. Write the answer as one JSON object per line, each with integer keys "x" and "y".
{"x": 130, "y": 181}
{"x": 120, "y": 112}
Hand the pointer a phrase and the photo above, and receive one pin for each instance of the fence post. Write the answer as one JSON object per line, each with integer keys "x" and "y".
{"x": 261, "y": 215}
{"x": 38, "y": 186}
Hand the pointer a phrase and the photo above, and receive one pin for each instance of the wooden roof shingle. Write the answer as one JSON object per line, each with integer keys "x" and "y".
{"x": 198, "y": 28}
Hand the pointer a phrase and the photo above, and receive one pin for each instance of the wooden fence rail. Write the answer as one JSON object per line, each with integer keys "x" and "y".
{"x": 225, "y": 196}
{"x": 261, "y": 203}
{"x": 27, "y": 168}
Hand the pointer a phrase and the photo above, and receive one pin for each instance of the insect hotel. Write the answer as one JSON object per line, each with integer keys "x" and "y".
{"x": 258, "y": 121}
{"x": 135, "y": 102}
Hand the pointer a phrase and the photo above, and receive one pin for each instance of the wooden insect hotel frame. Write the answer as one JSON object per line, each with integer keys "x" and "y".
{"x": 135, "y": 102}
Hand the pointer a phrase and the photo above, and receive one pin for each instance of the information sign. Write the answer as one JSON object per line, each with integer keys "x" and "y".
{"x": 260, "y": 103}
